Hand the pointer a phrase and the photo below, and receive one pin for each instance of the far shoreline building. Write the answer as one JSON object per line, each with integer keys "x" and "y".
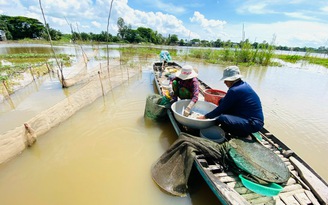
{"x": 2, "y": 36}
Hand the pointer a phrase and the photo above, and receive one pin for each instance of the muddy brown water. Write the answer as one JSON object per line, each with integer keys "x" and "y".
{"x": 103, "y": 154}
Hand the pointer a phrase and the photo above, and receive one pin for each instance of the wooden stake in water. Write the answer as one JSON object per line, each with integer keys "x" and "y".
{"x": 102, "y": 87}
{"x": 7, "y": 95}
{"x": 62, "y": 75}
{"x": 49, "y": 70}
{"x": 6, "y": 88}
{"x": 30, "y": 68}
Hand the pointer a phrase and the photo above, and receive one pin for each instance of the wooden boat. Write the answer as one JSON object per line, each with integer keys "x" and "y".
{"x": 305, "y": 186}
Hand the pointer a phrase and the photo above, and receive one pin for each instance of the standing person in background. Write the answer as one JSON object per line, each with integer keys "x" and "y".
{"x": 186, "y": 86}
{"x": 164, "y": 65}
{"x": 240, "y": 111}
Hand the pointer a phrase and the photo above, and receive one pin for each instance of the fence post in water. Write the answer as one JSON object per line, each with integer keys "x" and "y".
{"x": 30, "y": 68}
{"x": 7, "y": 95}
{"x": 6, "y": 88}
{"x": 58, "y": 75}
{"x": 63, "y": 82}
{"x": 102, "y": 87}
{"x": 49, "y": 70}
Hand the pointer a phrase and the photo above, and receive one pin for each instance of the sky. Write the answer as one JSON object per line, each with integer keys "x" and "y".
{"x": 292, "y": 23}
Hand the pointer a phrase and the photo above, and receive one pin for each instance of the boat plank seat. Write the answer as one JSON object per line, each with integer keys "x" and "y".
{"x": 228, "y": 179}
{"x": 302, "y": 198}
{"x": 313, "y": 199}
{"x": 289, "y": 200}
{"x": 292, "y": 187}
{"x": 315, "y": 184}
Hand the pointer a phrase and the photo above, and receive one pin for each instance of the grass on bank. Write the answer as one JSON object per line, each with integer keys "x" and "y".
{"x": 245, "y": 54}
{"x": 307, "y": 57}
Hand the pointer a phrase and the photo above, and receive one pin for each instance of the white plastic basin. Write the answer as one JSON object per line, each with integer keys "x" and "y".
{"x": 201, "y": 107}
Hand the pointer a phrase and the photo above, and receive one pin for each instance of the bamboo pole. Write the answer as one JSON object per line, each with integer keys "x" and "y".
{"x": 62, "y": 75}
{"x": 84, "y": 55}
{"x": 110, "y": 10}
{"x": 49, "y": 70}
{"x": 6, "y": 88}
{"x": 52, "y": 48}
{"x": 30, "y": 68}
{"x": 7, "y": 96}
{"x": 102, "y": 87}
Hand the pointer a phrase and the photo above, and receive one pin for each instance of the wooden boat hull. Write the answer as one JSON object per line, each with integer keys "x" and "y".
{"x": 304, "y": 187}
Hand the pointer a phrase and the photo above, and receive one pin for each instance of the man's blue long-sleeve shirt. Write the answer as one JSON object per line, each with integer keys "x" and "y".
{"x": 240, "y": 100}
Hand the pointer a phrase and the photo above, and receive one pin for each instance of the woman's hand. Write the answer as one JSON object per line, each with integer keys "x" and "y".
{"x": 186, "y": 112}
{"x": 201, "y": 117}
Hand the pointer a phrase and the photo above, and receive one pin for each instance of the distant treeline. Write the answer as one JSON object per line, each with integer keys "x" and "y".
{"x": 19, "y": 27}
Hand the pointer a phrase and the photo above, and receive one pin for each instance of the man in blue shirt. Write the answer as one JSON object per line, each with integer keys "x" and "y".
{"x": 240, "y": 111}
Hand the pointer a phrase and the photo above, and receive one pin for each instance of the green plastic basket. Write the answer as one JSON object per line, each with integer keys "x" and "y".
{"x": 272, "y": 189}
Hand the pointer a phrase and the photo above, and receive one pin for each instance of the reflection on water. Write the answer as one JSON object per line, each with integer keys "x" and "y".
{"x": 101, "y": 155}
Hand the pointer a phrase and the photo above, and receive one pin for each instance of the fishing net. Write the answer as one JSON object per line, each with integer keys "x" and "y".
{"x": 156, "y": 107}
{"x": 171, "y": 171}
{"x": 258, "y": 162}
{"x": 12, "y": 142}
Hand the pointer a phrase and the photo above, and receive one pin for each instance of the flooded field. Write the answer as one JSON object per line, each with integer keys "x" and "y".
{"x": 103, "y": 154}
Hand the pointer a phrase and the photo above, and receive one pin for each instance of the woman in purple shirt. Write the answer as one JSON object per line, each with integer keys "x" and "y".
{"x": 186, "y": 86}
{"x": 240, "y": 111}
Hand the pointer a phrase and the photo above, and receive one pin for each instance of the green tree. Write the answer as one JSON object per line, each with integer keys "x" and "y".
{"x": 181, "y": 42}
{"x": 145, "y": 33}
{"x": 54, "y": 34}
{"x": 218, "y": 43}
{"x": 172, "y": 39}
{"x": 22, "y": 27}
{"x": 195, "y": 42}
{"x": 85, "y": 36}
{"x": 122, "y": 28}
{"x": 4, "y": 27}
{"x": 132, "y": 36}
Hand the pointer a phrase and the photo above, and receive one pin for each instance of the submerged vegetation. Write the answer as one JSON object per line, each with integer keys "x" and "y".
{"x": 20, "y": 61}
{"x": 12, "y": 66}
{"x": 244, "y": 54}
{"x": 306, "y": 57}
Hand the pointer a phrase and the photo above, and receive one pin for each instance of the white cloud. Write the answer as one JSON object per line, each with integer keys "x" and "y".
{"x": 96, "y": 24}
{"x": 14, "y": 6}
{"x": 205, "y": 23}
{"x": 164, "y": 24}
{"x": 324, "y": 9}
{"x": 255, "y": 8}
{"x": 168, "y": 7}
{"x": 299, "y": 15}
{"x": 91, "y": 16}
{"x": 207, "y": 29}
{"x": 289, "y": 33}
